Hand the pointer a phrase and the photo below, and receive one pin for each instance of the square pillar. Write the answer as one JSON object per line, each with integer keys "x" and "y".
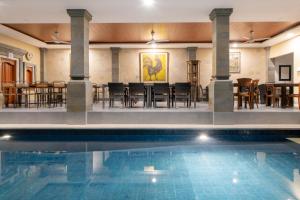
{"x": 192, "y": 53}
{"x": 220, "y": 88}
{"x": 79, "y": 93}
{"x": 43, "y": 64}
{"x": 115, "y": 52}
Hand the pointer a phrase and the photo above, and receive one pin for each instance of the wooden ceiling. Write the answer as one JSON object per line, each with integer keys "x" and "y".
{"x": 140, "y": 32}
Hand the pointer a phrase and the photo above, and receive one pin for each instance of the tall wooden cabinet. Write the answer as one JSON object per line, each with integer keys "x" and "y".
{"x": 193, "y": 76}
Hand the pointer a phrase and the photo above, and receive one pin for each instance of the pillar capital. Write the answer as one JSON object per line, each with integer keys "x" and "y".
{"x": 223, "y": 12}
{"x": 80, "y": 13}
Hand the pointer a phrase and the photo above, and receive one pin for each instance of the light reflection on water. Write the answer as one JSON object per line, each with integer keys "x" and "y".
{"x": 175, "y": 171}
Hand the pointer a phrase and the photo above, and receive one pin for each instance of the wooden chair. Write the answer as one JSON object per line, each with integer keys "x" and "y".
{"x": 244, "y": 91}
{"x": 137, "y": 92}
{"x": 272, "y": 96}
{"x": 183, "y": 92}
{"x": 161, "y": 92}
{"x": 9, "y": 93}
{"x": 116, "y": 92}
{"x": 291, "y": 96}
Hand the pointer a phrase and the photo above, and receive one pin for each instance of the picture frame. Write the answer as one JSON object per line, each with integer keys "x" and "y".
{"x": 285, "y": 72}
{"x": 234, "y": 62}
{"x": 154, "y": 67}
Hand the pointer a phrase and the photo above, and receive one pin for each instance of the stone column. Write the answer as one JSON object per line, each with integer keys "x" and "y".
{"x": 192, "y": 53}
{"x": 271, "y": 69}
{"x": 79, "y": 93}
{"x": 42, "y": 64}
{"x": 220, "y": 88}
{"x": 115, "y": 63}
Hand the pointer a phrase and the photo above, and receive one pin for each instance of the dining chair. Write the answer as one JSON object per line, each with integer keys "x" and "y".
{"x": 137, "y": 91}
{"x": 182, "y": 92}
{"x": 244, "y": 92}
{"x": 291, "y": 96}
{"x": 116, "y": 92}
{"x": 272, "y": 95}
{"x": 161, "y": 92}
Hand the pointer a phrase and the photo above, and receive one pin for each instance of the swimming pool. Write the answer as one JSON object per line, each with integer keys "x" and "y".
{"x": 149, "y": 165}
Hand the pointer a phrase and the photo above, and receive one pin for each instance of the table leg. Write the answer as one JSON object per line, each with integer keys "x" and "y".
{"x": 283, "y": 97}
{"x": 103, "y": 96}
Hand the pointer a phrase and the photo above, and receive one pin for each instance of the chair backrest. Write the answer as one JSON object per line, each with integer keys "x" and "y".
{"x": 270, "y": 88}
{"x": 136, "y": 88}
{"x": 255, "y": 84}
{"x": 161, "y": 88}
{"x": 42, "y": 85}
{"x": 22, "y": 85}
{"x": 182, "y": 88}
{"x": 244, "y": 84}
{"x": 59, "y": 84}
{"x": 115, "y": 88}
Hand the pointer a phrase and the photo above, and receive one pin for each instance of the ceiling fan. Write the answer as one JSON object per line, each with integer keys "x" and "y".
{"x": 251, "y": 38}
{"x": 153, "y": 41}
{"x": 56, "y": 40}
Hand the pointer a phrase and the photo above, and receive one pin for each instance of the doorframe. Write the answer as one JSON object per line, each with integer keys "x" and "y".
{"x": 17, "y": 66}
{"x": 33, "y": 66}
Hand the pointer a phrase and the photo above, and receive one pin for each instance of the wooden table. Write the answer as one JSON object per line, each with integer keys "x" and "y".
{"x": 284, "y": 95}
{"x": 148, "y": 87}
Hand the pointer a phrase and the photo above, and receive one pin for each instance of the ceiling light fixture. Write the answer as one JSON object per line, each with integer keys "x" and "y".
{"x": 290, "y": 35}
{"x": 234, "y": 45}
{"x": 148, "y": 3}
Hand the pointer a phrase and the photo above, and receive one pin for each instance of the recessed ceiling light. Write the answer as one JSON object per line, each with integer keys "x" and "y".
{"x": 290, "y": 35}
{"x": 153, "y": 45}
{"x": 234, "y": 45}
{"x": 148, "y": 3}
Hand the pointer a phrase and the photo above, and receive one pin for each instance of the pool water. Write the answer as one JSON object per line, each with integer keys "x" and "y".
{"x": 200, "y": 168}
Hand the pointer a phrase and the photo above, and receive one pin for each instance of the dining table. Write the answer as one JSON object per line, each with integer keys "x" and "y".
{"x": 285, "y": 93}
{"x": 148, "y": 87}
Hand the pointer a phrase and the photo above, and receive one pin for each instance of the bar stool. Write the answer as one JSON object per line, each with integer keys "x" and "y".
{"x": 58, "y": 93}
{"x": 22, "y": 94}
{"x": 42, "y": 94}
{"x": 9, "y": 93}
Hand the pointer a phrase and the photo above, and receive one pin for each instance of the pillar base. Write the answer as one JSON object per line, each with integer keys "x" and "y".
{"x": 79, "y": 96}
{"x": 221, "y": 96}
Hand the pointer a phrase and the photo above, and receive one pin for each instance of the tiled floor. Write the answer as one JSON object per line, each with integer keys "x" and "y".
{"x": 200, "y": 107}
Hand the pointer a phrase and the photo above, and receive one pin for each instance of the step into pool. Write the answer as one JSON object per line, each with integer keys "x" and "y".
{"x": 149, "y": 164}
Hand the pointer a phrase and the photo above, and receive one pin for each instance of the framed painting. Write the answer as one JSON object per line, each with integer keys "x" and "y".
{"x": 154, "y": 67}
{"x": 234, "y": 62}
{"x": 285, "y": 72}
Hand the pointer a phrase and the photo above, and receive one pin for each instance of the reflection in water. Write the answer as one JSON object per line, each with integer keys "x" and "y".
{"x": 180, "y": 172}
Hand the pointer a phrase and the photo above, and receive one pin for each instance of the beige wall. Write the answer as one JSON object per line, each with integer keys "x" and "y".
{"x": 129, "y": 64}
{"x": 58, "y": 65}
{"x": 27, "y": 47}
{"x": 253, "y": 65}
{"x": 290, "y": 46}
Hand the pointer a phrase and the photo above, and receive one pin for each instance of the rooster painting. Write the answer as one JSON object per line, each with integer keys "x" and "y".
{"x": 154, "y": 66}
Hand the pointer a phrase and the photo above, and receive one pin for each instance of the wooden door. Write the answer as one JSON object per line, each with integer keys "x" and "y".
{"x": 8, "y": 75}
{"x": 28, "y": 75}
